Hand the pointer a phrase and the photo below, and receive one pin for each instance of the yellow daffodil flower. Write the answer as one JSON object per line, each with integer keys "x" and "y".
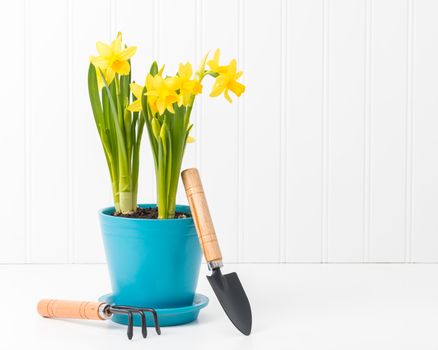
{"x": 112, "y": 59}
{"x": 227, "y": 81}
{"x": 136, "y": 90}
{"x": 187, "y": 87}
{"x": 161, "y": 93}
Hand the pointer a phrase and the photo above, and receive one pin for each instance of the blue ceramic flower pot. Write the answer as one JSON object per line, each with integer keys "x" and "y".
{"x": 152, "y": 263}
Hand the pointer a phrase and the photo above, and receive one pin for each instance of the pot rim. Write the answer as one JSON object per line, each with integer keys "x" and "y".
{"x": 181, "y": 207}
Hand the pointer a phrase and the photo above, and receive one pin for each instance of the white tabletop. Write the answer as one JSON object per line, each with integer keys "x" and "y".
{"x": 295, "y": 306}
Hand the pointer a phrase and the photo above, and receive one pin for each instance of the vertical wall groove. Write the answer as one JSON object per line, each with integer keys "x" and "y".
{"x": 241, "y": 139}
{"x": 325, "y": 132}
{"x": 156, "y": 34}
{"x": 283, "y": 136}
{"x": 409, "y": 130}
{"x": 155, "y": 50}
{"x": 112, "y": 8}
{"x": 115, "y": 7}
{"x": 198, "y": 50}
{"x": 27, "y": 131}
{"x": 69, "y": 91}
{"x": 109, "y": 14}
{"x": 367, "y": 131}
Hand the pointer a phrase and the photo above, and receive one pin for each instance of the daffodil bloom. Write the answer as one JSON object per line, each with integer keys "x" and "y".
{"x": 227, "y": 81}
{"x": 161, "y": 93}
{"x": 136, "y": 90}
{"x": 112, "y": 59}
{"x": 187, "y": 87}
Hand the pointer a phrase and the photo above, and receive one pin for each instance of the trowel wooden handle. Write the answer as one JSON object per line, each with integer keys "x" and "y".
{"x": 88, "y": 310}
{"x": 201, "y": 216}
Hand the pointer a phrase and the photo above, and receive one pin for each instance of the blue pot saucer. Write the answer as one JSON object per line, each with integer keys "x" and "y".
{"x": 166, "y": 317}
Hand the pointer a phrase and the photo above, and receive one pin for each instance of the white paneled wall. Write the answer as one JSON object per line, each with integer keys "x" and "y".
{"x": 330, "y": 156}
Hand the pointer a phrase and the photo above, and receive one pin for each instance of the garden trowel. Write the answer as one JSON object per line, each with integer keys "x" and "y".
{"x": 227, "y": 288}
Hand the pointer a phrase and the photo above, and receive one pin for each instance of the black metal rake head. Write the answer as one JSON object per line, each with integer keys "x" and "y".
{"x": 130, "y": 312}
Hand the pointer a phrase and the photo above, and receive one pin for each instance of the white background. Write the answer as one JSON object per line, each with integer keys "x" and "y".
{"x": 330, "y": 156}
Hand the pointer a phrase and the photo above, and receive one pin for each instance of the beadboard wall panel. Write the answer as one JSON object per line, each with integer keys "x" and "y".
{"x": 49, "y": 221}
{"x": 261, "y": 130}
{"x": 422, "y": 111}
{"x": 13, "y": 136}
{"x": 385, "y": 123}
{"x": 330, "y": 155}
{"x": 91, "y": 185}
{"x": 345, "y": 130}
{"x": 303, "y": 102}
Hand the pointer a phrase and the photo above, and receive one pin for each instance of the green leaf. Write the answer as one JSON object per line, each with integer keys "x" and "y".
{"x": 93, "y": 92}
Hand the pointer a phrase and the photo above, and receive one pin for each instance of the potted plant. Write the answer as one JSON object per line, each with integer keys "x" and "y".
{"x": 152, "y": 250}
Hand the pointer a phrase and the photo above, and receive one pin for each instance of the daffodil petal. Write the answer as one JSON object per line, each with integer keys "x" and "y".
{"x": 149, "y": 82}
{"x": 227, "y": 96}
{"x": 180, "y": 69}
{"x": 127, "y": 53}
{"x": 109, "y": 75}
{"x": 185, "y": 70}
{"x": 136, "y": 89}
{"x": 160, "y": 106}
{"x": 232, "y": 67}
{"x": 116, "y": 45}
{"x": 103, "y": 49}
{"x": 135, "y": 106}
{"x": 216, "y": 91}
{"x": 100, "y": 83}
{"x": 181, "y": 100}
{"x": 214, "y": 63}
{"x": 172, "y": 83}
{"x": 99, "y": 61}
{"x": 170, "y": 108}
{"x": 151, "y": 93}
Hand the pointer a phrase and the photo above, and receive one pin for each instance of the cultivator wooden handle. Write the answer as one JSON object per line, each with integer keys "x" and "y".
{"x": 202, "y": 218}
{"x": 88, "y": 310}
{"x": 91, "y": 310}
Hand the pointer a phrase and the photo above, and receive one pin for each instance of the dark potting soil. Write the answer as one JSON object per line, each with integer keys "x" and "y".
{"x": 150, "y": 213}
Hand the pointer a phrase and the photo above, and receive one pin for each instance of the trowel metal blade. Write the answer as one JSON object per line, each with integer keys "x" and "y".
{"x": 233, "y": 299}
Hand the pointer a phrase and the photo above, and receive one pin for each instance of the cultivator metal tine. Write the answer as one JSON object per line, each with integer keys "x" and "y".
{"x": 130, "y": 332}
{"x": 144, "y": 329}
{"x": 130, "y": 311}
